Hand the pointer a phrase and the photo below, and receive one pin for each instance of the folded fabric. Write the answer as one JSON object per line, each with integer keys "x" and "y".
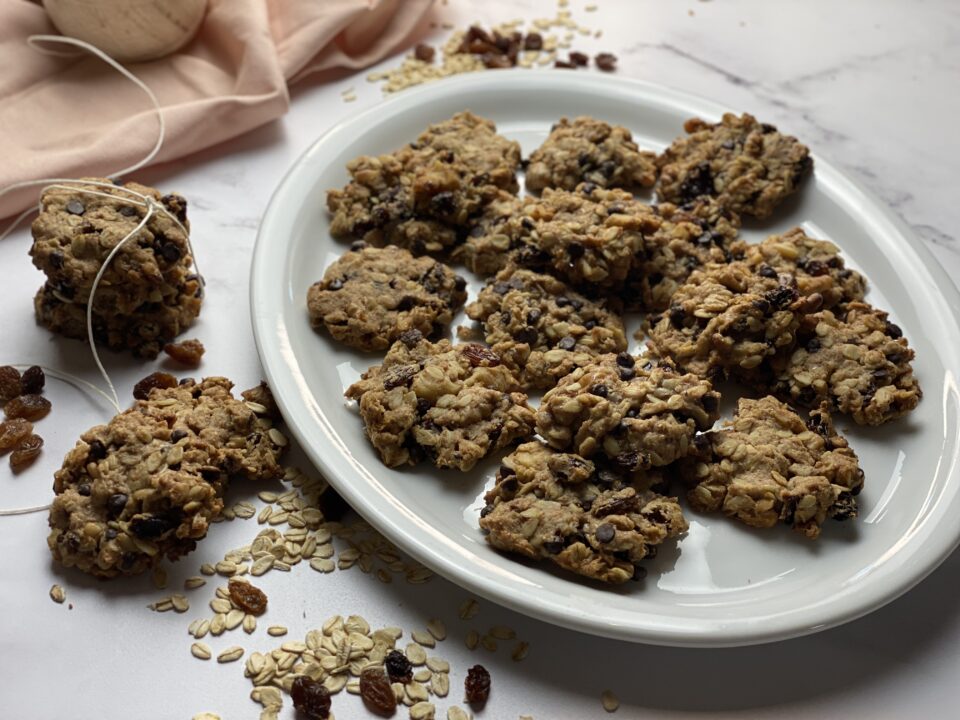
{"x": 76, "y": 116}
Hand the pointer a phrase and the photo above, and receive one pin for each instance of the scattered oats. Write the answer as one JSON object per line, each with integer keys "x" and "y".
{"x": 230, "y": 654}
{"x": 202, "y": 629}
{"x": 422, "y": 676}
{"x": 520, "y": 651}
{"x": 440, "y": 684}
{"x": 384, "y": 576}
{"x": 609, "y": 701}
{"x": 294, "y": 647}
{"x": 192, "y": 583}
{"x": 324, "y": 551}
{"x": 455, "y": 712}
{"x": 424, "y": 638}
{"x": 473, "y": 639}
{"x": 206, "y": 716}
{"x": 218, "y": 624}
{"x": 416, "y": 692}
{"x": 419, "y": 574}
{"x": 590, "y": 8}
{"x": 277, "y": 437}
{"x": 281, "y": 566}
{"x": 225, "y": 567}
{"x": 200, "y": 650}
{"x": 489, "y": 642}
{"x": 350, "y": 98}
{"x": 276, "y": 630}
{"x": 249, "y": 623}
{"x": 323, "y": 565}
{"x": 469, "y": 609}
{"x": 208, "y": 569}
{"x": 256, "y": 407}
{"x": 526, "y": 717}
{"x": 242, "y": 569}
{"x": 244, "y": 510}
{"x": 57, "y": 594}
{"x": 437, "y": 628}
{"x": 502, "y": 632}
{"x": 335, "y": 683}
{"x": 598, "y": 33}
{"x": 262, "y": 565}
{"x": 353, "y": 687}
{"x": 438, "y": 664}
{"x": 234, "y": 618}
{"x": 162, "y": 605}
{"x": 180, "y": 603}
{"x": 264, "y": 515}
{"x": 416, "y": 654}
{"x": 423, "y": 711}
{"x": 220, "y": 605}
{"x": 278, "y": 518}
{"x": 447, "y": 25}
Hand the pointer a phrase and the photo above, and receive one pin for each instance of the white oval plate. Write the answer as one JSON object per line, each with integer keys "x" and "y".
{"x": 724, "y": 584}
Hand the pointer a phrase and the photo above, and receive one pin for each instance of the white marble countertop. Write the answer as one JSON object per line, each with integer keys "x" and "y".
{"x": 867, "y": 83}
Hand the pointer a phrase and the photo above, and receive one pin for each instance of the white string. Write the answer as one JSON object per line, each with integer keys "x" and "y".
{"x": 81, "y": 385}
{"x": 34, "y": 42}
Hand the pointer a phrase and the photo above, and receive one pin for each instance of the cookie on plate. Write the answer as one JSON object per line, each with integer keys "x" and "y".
{"x": 451, "y": 404}
{"x": 149, "y": 292}
{"x": 768, "y": 466}
{"x": 146, "y": 485}
{"x": 492, "y": 236}
{"x": 371, "y": 296}
{"x": 687, "y": 238}
{"x": 816, "y": 264}
{"x": 542, "y": 329}
{"x": 638, "y": 414}
{"x": 587, "y": 238}
{"x": 853, "y": 359}
{"x": 423, "y": 196}
{"x": 590, "y": 520}
{"x": 748, "y": 166}
{"x": 727, "y": 319}
{"x": 589, "y": 150}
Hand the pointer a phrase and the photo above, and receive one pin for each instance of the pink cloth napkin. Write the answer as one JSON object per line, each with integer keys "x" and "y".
{"x": 73, "y": 117}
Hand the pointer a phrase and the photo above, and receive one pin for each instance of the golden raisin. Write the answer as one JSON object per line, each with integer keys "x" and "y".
{"x": 141, "y": 391}
{"x": 310, "y": 698}
{"x": 186, "y": 353}
{"x": 26, "y": 452}
{"x": 28, "y": 407}
{"x": 12, "y": 432}
{"x": 376, "y": 692}
{"x": 248, "y": 598}
{"x": 9, "y": 383}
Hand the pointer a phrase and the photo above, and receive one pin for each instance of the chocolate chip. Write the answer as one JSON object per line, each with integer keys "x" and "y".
{"x": 605, "y": 533}
{"x": 567, "y": 343}
{"x": 767, "y": 128}
{"x": 56, "y": 259}
{"x": 97, "y": 451}
{"x": 487, "y": 509}
{"x": 626, "y": 360}
{"x": 711, "y": 402}
{"x": 357, "y": 246}
{"x": 554, "y": 547}
{"x": 587, "y": 188}
{"x": 599, "y": 390}
{"x": 128, "y": 211}
{"x": 423, "y": 405}
{"x": 75, "y": 207}
{"x": 627, "y": 373}
{"x": 893, "y": 330}
{"x": 459, "y": 283}
{"x": 575, "y": 250}
{"x": 533, "y": 317}
{"x": 579, "y": 58}
{"x": 563, "y": 64}
{"x": 84, "y": 489}
{"x": 727, "y": 145}
{"x": 170, "y": 252}
{"x": 178, "y": 435}
{"x": 766, "y": 271}
{"x": 336, "y": 284}
{"x": 526, "y": 335}
{"x": 501, "y": 288}
{"x": 698, "y": 182}
{"x": 443, "y": 203}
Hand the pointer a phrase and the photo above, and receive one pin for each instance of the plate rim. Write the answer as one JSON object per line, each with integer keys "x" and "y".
{"x": 731, "y": 633}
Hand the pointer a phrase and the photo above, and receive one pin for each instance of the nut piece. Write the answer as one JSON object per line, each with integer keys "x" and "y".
{"x": 57, "y": 594}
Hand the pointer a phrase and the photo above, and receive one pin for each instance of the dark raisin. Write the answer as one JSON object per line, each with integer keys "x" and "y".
{"x": 376, "y": 692}
{"x": 567, "y": 343}
{"x": 554, "y": 547}
{"x": 575, "y": 250}
{"x": 178, "y": 435}
{"x": 781, "y": 297}
{"x": 564, "y": 65}
{"x": 845, "y": 507}
{"x": 606, "y": 61}
{"x": 625, "y": 359}
{"x": 170, "y": 252}
{"x": 579, "y": 58}
{"x": 698, "y": 182}
{"x": 620, "y": 506}
{"x": 711, "y": 402}
{"x": 399, "y": 668}
{"x": 486, "y": 510}
{"x": 411, "y": 337}
{"x": 627, "y": 373}
{"x": 766, "y": 271}
{"x": 459, "y": 283}
{"x": 28, "y": 407}
{"x": 176, "y": 204}
{"x": 12, "y": 432}
{"x": 893, "y": 330}
{"x": 768, "y": 128}
{"x": 605, "y": 533}
{"x": 147, "y": 527}
{"x": 75, "y": 207}
{"x": 479, "y": 355}
{"x": 599, "y": 390}
{"x": 816, "y": 268}
{"x": 533, "y": 41}
{"x": 10, "y": 383}
{"x": 161, "y": 380}
{"x": 424, "y": 53}
{"x": 443, "y": 203}
{"x": 526, "y": 335}
{"x": 187, "y": 352}
{"x": 628, "y": 460}
{"x": 310, "y": 698}
{"x": 97, "y": 451}
{"x": 248, "y": 598}
{"x": 33, "y": 380}
{"x": 476, "y": 686}
{"x": 399, "y": 377}
{"x": 115, "y": 505}
{"x": 84, "y": 489}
